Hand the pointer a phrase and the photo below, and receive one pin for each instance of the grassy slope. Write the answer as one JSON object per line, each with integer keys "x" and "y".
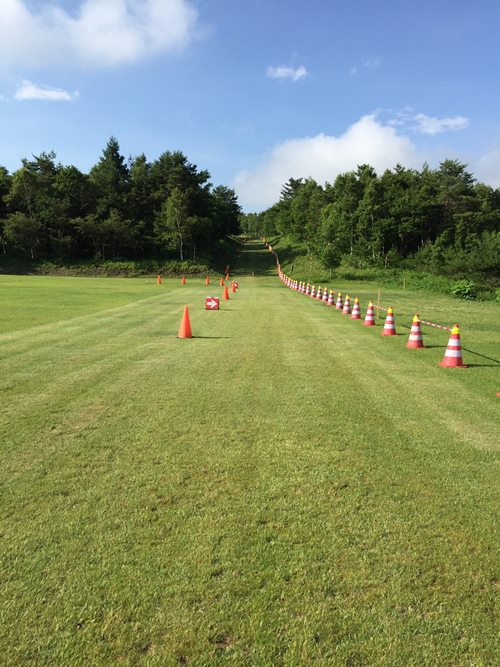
{"x": 286, "y": 488}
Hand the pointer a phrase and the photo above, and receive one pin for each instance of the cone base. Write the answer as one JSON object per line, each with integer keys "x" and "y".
{"x": 388, "y": 333}
{"x": 415, "y": 346}
{"x": 369, "y": 324}
{"x": 443, "y": 365}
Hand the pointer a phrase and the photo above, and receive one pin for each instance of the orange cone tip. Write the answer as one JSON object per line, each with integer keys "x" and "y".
{"x": 185, "y": 327}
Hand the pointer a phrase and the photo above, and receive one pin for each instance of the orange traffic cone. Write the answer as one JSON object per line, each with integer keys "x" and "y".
{"x": 227, "y": 276}
{"x": 453, "y": 355}
{"x": 340, "y": 302}
{"x": 185, "y": 328}
{"x": 330, "y": 298}
{"x": 221, "y": 281}
{"x": 313, "y": 292}
{"x": 389, "y": 326}
{"x": 347, "y": 306}
{"x": 183, "y": 280}
{"x": 319, "y": 294}
{"x": 225, "y": 296}
{"x": 233, "y": 288}
{"x": 415, "y": 337}
{"x": 325, "y": 295}
{"x": 207, "y": 281}
{"x": 158, "y": 280}
{"x": 355, "y": 310}
{"x": 370, "y": 316}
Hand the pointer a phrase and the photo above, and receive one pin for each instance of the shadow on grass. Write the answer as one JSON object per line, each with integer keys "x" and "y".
{"x": 483, "y": 356}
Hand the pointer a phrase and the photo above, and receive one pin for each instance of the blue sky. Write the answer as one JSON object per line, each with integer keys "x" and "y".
{"x": 256, "y": 91}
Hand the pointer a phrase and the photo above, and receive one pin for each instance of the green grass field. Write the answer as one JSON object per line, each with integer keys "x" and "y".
{"x": 286, "y": 488}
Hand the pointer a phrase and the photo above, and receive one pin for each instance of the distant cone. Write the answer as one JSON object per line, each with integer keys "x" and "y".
{"x": 207, "y": 281}
{"x": 183, "y": 280}
{"x": 370, "y": 316}
{"x": 325, "y": 295}
{"x": 158, "y": 280}
{"x": 308, "y": 290}
{"x": 227, "y": 276}
{"x": 346, "y": 310}
{"x": 313, "y": 292}
{"x": 330, "y": 298}
{"x": 221, "y": 281}
{"x": 355, "y": 315}
{"x": 185, "y": 328}
{"x": 233, "y": 288}
{"x": 389, "y": 326}
{"x": 319, "y": 294}
{"x": 415, "y": 338}
{"x": 340, "y": 302}
{"x": 453, "y": 355}
{"x": 225, "y": 295}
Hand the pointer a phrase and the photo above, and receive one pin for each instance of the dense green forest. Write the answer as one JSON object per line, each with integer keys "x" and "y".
{"x": 120, "y": 209}
{"x": 436, "y": 220}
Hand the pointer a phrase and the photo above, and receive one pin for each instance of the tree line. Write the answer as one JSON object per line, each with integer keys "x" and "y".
{"x": 120, "y": 209}
{"x": 439, "y": 220}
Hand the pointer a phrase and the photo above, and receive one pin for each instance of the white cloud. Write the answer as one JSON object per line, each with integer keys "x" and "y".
{"x": 323, "y": 157}
{"x": 487, "y": 168}
{"x": 368, "y": 63}
{"x": 31, "y": 91}
{"x": 425, "y": 124}
{"x": 284, "y": 72}
{"x": 98, "y": 33}
{"x": 431, "y": 125}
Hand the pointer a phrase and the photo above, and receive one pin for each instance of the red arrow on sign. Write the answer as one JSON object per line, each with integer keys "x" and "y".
{"x": 211, "y": 303}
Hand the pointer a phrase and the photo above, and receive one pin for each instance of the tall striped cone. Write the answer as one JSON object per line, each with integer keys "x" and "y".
{"x": 225, "y": 295}
{"x": 340, "y": 302}
{"x": 183, "y": 280}
{"x": 308, "y": 290}
{"x": 330, "y": 298}
{"x": 370, "y": 316}
{"x": 355, "y": 310}
{"x": 221, "y": 281}
{"x": 207, "y": 281}
{"x": 158, "y": 280}
{"x": 347, "y": 306}
{"x": 313, "y": 292}
{"x": 185, "y": 327}
{"x": 453, "y": 355}
{"x": 389, "y": 326}
{"x": 325, "y": 295}
{"x": 319, "y": 294}
{"x": 415, "y": 337}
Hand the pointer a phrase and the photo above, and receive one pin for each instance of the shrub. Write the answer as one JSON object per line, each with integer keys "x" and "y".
{"x": 464, "y": 289}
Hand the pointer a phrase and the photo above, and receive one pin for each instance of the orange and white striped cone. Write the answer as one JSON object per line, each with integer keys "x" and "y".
{"x": 330, "y": 298}
{"x": 370, "y": 316}
{"x": 347, "y": 306}
{"x": 415, "y": 338}
{"x": 340, "y": 302}
{"x": 319, "y": 294}
{"x": 308, "y": 290}
{"x": 453, "y": 355}
{"x": 313, "y": 292}
{"x": 389, "y": 326}
{"x": 355, "y": 310}
{"x": 325, "y": 295}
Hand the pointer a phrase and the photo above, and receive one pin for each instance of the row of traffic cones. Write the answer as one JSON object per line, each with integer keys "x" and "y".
{"x": 453, "y": 354}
